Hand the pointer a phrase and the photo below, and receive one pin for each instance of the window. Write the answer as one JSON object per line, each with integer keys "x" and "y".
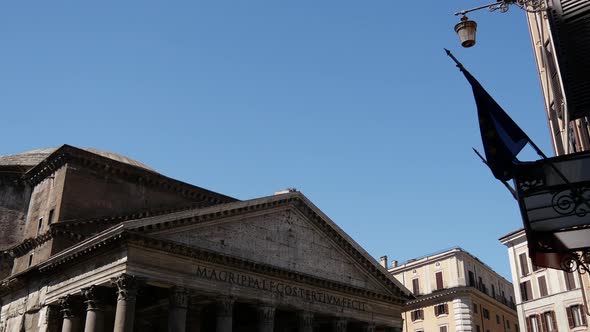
{"x": 486, "y": 313}
{"x": 416, "y": 286}
{"x": 570, "y": 282}
{"x": 50, "y": 218}
{"x": 477, "y": 328}
{"x": 475, "y": 308}
{"x": 507, "y": 325}
{"x": 441, "y": 309}
{"x": 497, "y": 319}
{"x": 39, "y": 225}
{"x": 443, "y": 328}
{"x": 516, "y": 327}
{"x": 576, "y": 316}
{"x": 524, "y": 267}
{"x": 548, "y": 321}
{"x": 542, "y": 286}
{"x": 482, "y": 286}
{"x": 526, "y": 292}
{"x": 30, "y": 260}
{"x": 532, "y": 324}
{"x": 471, "y": 279}
{"x": 439, "y": 280}
{"x": 417, "y": 315}
{"x": 493, "y": 291}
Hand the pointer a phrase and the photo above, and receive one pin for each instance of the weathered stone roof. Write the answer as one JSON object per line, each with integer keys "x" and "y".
{"x": 29, "y": 159}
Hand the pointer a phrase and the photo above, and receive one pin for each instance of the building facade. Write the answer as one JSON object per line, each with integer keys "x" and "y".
{"x": 546, "y": 299}
{"x": 561, "y": 45}
{"x": 94, "y": 241}
{"x": 455, "y": 291}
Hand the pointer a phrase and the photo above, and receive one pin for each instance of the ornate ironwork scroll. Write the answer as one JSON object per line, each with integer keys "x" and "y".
{"x": 569, "y": 202}
{"x": 577, "y": 261}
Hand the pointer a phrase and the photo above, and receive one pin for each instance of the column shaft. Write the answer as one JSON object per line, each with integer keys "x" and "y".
{"x": 177, "y": 310}
{"x": 125, "y": 312}
{"x": 94, "y": 310}
{"x": 71, "y": 319}
{"x": 339, "y": 325}
{"x": 305, "y": 321}
{"x": 225, "y": 310}
{"x": 266, "y": 318}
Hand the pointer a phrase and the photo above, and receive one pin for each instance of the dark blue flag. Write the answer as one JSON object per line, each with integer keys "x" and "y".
{"x": 502, "y": 138}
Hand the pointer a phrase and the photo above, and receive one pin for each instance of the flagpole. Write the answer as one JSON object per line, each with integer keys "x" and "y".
{"x": 533, "y": 145}
{"x": 503, "y": 182}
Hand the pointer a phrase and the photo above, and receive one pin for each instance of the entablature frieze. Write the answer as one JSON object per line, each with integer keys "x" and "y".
{"x": 218, "y": 259}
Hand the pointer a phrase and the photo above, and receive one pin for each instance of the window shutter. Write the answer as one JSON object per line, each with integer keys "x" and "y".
{"x": 570, "y": 282}
{"x": 554, "y": 321}
{"x": 416, "y": 286}
{"x": 446, "y": 306}
{"x": 529, "y": 325}
{"x": 524, "y": 268}
{"x": 439, "y": 280}
{"x": 543, "y": 286}
{"x": 436, "y": 310}
{"x": 583, "y": 314}
{"x": 529, "y": 290}
{"x": 543, "y": 322}
{"x": 570, "y": 318}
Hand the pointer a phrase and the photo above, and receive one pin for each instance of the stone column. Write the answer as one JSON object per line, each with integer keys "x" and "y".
{"x": 125, "y": 313}
{"x": 177, "y": 309}
{"x": 94, "y": 310}
{"x": 225, "y": 310}
{"x": 339, "y": 324}
{"x": 266, "y": 318}
{"x": 71, "y": 317}
{"x": 305, "y": 321}
{"x": 368, "y": 327}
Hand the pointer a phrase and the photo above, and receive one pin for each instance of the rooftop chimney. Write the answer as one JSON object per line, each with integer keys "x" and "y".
{"x": 394, "y": 263}
{"x": 383, "y": 261}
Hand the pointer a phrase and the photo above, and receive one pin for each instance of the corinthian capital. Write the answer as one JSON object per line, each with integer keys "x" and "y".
{"x": 126, "y": 286}
{"x": 93, "y": 297}
{"x": 225, "y": 306}
{"x": 179, "y": 297}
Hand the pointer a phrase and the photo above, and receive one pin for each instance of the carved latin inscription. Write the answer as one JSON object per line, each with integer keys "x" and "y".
{"x": 267, "y": 285}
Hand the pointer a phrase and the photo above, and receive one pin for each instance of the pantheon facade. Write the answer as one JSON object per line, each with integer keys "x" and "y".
{"x": 94, "y": 241}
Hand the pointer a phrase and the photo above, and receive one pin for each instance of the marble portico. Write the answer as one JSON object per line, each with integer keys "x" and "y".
{"x": 274, "y": 263}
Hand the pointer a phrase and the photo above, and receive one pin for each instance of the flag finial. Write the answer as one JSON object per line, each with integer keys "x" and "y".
{"x": 459, "y": 64}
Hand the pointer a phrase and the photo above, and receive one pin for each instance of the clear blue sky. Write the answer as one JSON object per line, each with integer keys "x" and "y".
{"x": 352, "y": 102}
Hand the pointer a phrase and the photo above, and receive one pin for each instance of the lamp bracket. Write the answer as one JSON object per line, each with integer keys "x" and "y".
{"x": 530, "y": 6}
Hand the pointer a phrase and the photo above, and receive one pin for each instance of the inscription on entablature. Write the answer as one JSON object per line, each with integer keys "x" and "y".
{"x": 283, "y": 289}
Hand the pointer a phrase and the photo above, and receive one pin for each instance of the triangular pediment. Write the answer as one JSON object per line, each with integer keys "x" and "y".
{"x": 288, "y": 233}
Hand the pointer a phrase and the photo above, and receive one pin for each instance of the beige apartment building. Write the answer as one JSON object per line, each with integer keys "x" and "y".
{"x": 547, "y": 300}
{"x": 455, "y": 291}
